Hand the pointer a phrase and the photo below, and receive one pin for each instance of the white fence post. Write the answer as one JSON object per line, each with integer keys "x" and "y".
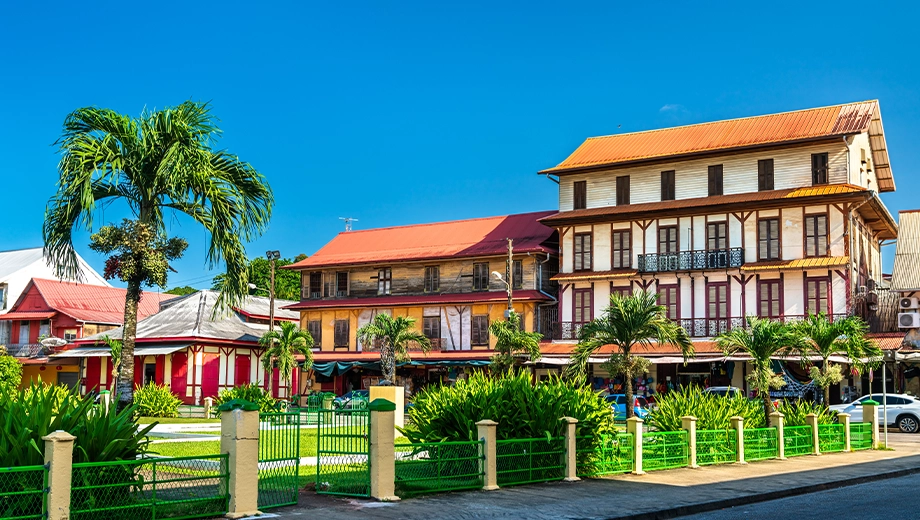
{"x": 571, "y": 463}
{"x": 488, "y": 434}
{"x": 738, "y": 426}
{"x": 239, "y": 438}
{"x": 812, "y": 420}
{"x": 59, "y": 458}
{"x": 634, "y": 426}
{"x": 688, "y": 423}
{"x": 779, "y": 420}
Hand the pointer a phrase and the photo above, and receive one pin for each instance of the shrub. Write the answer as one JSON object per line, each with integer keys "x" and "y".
{"x": 56, "y": 393}
{"x": 10, "y": 374}
{"x": 712, "y": 411}
{"x": 153, "y": 400}
{"x": 521, "y": 408}
{"x": 252, "y": 393}
{"x": 795, "y": 412}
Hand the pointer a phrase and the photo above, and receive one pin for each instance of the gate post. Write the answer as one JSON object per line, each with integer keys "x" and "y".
{"x": 778, "y": 419}
{"x": 812, "y": 420}
{"x": 844, "y": 419}
{"x": 634, "y": 426}
{"x": 738, "y": 426}
{"x": 59, "y": 458}
{"x": 870, "y": 415}
{"x": 239, "y": 438}
{"x": 486, "y": 430}
{"x": 571, "y": 463}
{"x": 688, "y": 423}
{"x": 382, "y": 451}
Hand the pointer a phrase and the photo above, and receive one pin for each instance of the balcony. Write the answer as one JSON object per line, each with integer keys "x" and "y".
{"x": 691, "y": 260}
{"x": 26, "y": 350}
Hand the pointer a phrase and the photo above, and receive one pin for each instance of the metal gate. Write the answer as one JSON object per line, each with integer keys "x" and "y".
{"x": 342, "y": 466}
{"x": 279, "y": 459}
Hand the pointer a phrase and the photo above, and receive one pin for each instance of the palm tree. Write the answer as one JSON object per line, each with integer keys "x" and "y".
{"x": 762, "y": 340}
{"x": 511, "y": 341}
{"x": 843, "y": 337}
{"x": 629, "y": 321}
{"x": 280, "y": 349}
{"x": 394, "y": 336}
{"x": 157, "y": 163}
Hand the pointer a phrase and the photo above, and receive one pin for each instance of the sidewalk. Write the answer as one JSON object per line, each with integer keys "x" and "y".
{"x": 660, "y": 494}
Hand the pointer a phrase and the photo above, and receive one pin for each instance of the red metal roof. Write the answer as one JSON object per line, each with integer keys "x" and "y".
{"x": 459, "y": 238}
{"x": 26, "y": 315}
{"x": 93, "y": 303}
{"x": 396, "y": 301}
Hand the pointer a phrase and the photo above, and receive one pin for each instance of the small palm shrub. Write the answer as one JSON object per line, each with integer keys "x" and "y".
{"x": 712, "y": 411}
{"x": 252, "y": 393}
{"x": 56, "y": 393}
{"x": 795, "y": 412}
{"x": 10, "y": 373}
{"x": 153, "y": 400}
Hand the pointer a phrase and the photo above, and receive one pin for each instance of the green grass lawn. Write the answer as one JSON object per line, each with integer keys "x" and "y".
{"x": 308, "y": 442}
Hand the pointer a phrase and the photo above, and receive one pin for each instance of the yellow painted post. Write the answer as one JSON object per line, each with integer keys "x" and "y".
{"x": 382, "y": 450}
{"x": 779, "y": 420}
{"x": 844, "y": 419}
{"x": 571, "y": 463}
{"x": 59, "y": 458}
{"x": 395, "y": 395}
{"x": 239, "y": 438}
{"x": 738, "y": 426}
{"x": 634, "y": 426}
{"x": 208, "y": 403}
{"x": 812, "y": 420}
{"x": 487, "y": 430}
{"x": 688, "y": 423}
{"x": 870, "y": 415}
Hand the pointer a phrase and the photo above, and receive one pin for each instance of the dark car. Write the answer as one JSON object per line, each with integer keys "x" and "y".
{"x": 354, "y": 400}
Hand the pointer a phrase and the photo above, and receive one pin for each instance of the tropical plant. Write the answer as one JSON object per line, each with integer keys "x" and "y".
{"x": 794, "y": 412}
{"x": 181, "y": 291}
{"x": 250, "y": 392}
{"x": 522, "y": 408}
{"x": 629, "y": 321}
{"x": 512, "y": 341}
{"x": 114, "y": 354}
{"x": 160, "y": 162}
{"x": 842, "y": 337}
{"x": 394, "y": 336}
{"x": 57, "y": 394}
{"x": 762, "y": 340}
{"x": 712, "y": 411}
{"x": 258, "y": 270}
{"x": 10, "y": 374}
{"x": 281, "y": 348}
{"x": 153, "y": 400}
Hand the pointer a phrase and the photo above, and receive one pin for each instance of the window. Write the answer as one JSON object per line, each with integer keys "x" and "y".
{"x": 622, "y": 251}
{"x": 517, "y": 274}
{"x": 44, "y": 328}
{"x": 150, "y": 373}
{"x": 667, "y": 239}
{"x": 768, "y": 246}
{"x": 431, "y": 327}
{"x": 70, "y": 334}
{"x": 667, "y": 185}
{"x": 765, "y": 175}
{"x": 717, "y": 235}
{"x": 816, "y": 295}
{"x": 816, "y": 235}
{"x": 23, "y": 332}
{"x": 769, "y": 296}
{"x": 668, "y": 297}
{"x": 481, "y": 276}
{"x": 2, "y": 297}
{"x": 622, "y": 190}
{"x": 622, "y": 291}
{"x": 341, "y": 334}
{"x": 580, "y": 195}
{"x": 581, "y": 313}
{"x": 717, "y": 308}
{"x": 479, "y": 330}
{"x": 715, "y": 180}
{"x": 819, "y": 168}
{"x": 432, "y": 279}
{"x": 384, "y": 281}
{"x": 583, "y": 252}
{"x": 315, "y": 328}
{"x": 341, "y": 284}
{"x": 316, "y": 285}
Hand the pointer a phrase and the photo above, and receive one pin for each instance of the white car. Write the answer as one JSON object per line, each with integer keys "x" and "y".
{"x": 724, "y": 391}
{"x": 903, "y": 410}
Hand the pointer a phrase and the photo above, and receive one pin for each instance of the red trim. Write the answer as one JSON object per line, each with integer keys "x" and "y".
{"x": 393, "y": 301}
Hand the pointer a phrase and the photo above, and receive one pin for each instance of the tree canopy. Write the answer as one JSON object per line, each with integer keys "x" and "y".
{"x": 287, "y": 282}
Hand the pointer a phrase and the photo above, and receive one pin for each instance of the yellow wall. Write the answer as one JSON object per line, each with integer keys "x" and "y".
{"x": 48, "y": 376}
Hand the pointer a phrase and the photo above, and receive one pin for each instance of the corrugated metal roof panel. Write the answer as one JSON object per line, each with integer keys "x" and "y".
{"x": 906, "y": 273}
{"x": 798, "y": 263}
{"x": 594, "y": 275}
{"x": 94, "y": 303}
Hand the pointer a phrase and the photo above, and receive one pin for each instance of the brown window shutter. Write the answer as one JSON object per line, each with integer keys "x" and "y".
{"x": 765, "y": 174}
{"x": 580, "y": 194}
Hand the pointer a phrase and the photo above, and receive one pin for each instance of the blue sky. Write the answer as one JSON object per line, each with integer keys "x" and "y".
{"x": 418, "y": 112}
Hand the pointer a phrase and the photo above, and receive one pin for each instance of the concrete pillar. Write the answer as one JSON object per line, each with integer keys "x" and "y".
{"x": 487, "y": 431}
{"x": 779, "y": 420}
{"x": 571, "y": 464}
{"x": 395, "y": 395}
{"x": 59, "y": 458}
{"x": 738, "y": 426}
{"x": 239, "y": 438}
{"x": 688, "y": 423}
{"x": 870, "y": 415}
{"x": 844, "y": 419}
{"x": 208, "y": 403}
{"x": 634, "y": 426}
{"x": 812, "y": 420}
{"x": 382, "y": 450}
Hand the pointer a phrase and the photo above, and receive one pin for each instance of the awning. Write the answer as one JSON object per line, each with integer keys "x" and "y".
{"x": 665, "y": 360}
{"x": 85, "y": 352}
{"x": 337, "y": 368}
{"x": 26, "y": 315}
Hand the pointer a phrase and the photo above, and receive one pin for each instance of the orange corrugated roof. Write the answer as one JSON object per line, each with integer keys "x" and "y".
{"x": 800, "y": 125}
{"x": 459, "y": 238}
{"x": 798, "y": 263}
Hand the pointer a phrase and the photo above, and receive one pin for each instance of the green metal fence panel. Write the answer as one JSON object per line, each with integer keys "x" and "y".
{"x": 716, "y": 447}
{"x": 860, "y": 436}
{"x": 188, "y": 411}
{"x": 525, "y": 461}
{"x": 22, "y": 492}
{"x": 664, "y": 450}
{"x": 604, "y": 455}
{"x": 152, "y": 488}
{"x": 435, "y": 467}
{"x": 760, "y": 444}
{"x": 342, "y": 453}
{"x": 797, "y": 440}
{"x": 831, "y": 438}
{"x": 279, "y": 459}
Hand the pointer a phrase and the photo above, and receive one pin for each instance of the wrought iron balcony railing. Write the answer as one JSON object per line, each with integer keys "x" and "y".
{"x": 25, "y": 350}
{"x": 691, "y": 260}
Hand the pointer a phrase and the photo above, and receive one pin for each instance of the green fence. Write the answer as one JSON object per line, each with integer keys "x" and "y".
{"x": 797, "y": 440}
{"x": 342, "y": 453}
{"x": 434, "y": 467}
{"x": 22, "y": 492}
{"x": 147, "y": 489}
{"x": 604, "y": 455}
{"x": 188, "y": 411}
{"x": 760, "y": 444}
{"x": 716, "y": 447}
{"x": 831, "y": 438}
{"x": 664, "y": 450}
{"x": 860, "y": 436}
{"x": 524, "y": 461}
{"x": 279, "y": 459}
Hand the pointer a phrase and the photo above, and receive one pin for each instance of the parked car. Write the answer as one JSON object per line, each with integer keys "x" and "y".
{"x": 724, "y": 391}
{"x": 618, "y": 404}
{"x": 903, "y": 410}
{"x": 354, "y": 400}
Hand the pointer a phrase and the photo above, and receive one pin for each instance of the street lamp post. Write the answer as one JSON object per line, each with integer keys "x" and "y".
{"x": 272, "y": 256}
{"x": 508, "y": 279}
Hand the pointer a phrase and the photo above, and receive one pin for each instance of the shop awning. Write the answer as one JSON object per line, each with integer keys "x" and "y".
{"x": 665, "y": 360}
{"x": 85, "y": 352}
{"x": 26, "y": 315}
{"x": 336, "y": 368}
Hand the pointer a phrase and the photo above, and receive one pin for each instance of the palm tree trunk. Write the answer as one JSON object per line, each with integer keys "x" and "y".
{"x": 124, "y": 387}
{"x": 627, "y": 387}
{"x": 269, "y": 373}
{"x": 827, "y": 390}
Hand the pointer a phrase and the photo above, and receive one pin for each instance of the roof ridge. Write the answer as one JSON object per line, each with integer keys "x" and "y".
{"x": 21, "y": 249}
{"x": 425, "y": 224}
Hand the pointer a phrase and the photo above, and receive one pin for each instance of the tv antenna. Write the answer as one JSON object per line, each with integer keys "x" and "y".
{"x": 348, "y": 221}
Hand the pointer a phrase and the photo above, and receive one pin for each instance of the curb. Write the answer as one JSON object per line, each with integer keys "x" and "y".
{"x": 705, "y": 507}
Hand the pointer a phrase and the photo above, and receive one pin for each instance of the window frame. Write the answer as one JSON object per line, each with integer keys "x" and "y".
{"x": 769, "y": 239}
{"x": 432, "y": 279}
{"x": 668, "y": 185}
{"x": 807, "y": 221}
{"x": 589, "y": 291}
{"x": 580, "y": 195}
{"x": 339, "y": 276}
{"x": 578, "y": 257}
{"x": 709, "y": 236}
{"x": 816, "y": 172}
{"x": 765, "y": 179}
{"x": 622, "y": 190}
{"x": 335, "y": 334}
{"x": 826, "y": 281}
{"x": 620, "y": 256}
{"x": 517, "y": 274}
{"x": 716, "y": 176}
{"x": 663, "y": 290}
{"x": 727, "y": 302}
{"x": 774, "y": 294}
{"x": 478, "y": 330}
{"x": 384, "y": 281}
{"x": 480, "y": 276}
{"x": 318, "y": 337}
{"x": 315, "y": 276}
{"x": 668, "y": 241}
{"x": 431, "y": 325}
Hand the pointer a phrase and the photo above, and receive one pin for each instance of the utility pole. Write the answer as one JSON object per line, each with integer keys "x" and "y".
{"x": 509, "y": 275}
{"x": 272, "y": 256}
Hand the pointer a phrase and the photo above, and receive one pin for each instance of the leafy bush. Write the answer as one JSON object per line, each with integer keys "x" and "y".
{"x": 56, "y": 393}
{"x": 153, "y": 400}
{"x": 521, "y": 408}
{"x": 795, "y": 412}
{"x": 10, "y": 374}
{"x": 712, "y": 411}
{"x": 252, "y": 393}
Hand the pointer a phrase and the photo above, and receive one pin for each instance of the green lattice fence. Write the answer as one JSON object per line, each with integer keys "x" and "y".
{"x": 664, "y": 450}
{"x": 860, "y": 436}
{"x": 147, "y": 489}
{"x": 279, "y": 459}
{"x": 797, "y": 440}
{"x": 760, "y": 444}
{"x": 831, "y": 438}
{"x": 342, "y": 453}
{"x": 22, "y": 492}
{"x": 604, "y": 455}
{"x": 716, "y": 447}
{"x": 435, "y": 467}
{"x": 524, "y": 461}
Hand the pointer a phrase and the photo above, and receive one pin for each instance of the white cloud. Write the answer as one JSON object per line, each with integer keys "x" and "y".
{"x": 672, "y": 108}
